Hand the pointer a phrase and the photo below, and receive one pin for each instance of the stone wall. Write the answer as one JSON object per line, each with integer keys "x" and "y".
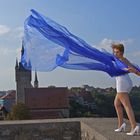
{"x": 88, "y": 133}
{"x": 64, "y": 129}
{"x": 40, "y": 130}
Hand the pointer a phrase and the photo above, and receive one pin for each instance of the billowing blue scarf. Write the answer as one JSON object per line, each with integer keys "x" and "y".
{"x": 48, "y": 45}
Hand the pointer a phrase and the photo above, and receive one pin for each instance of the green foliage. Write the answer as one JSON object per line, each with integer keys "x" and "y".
{"x": 75, "y": 109}
{"x": 19, "y": 112}
{"x": 76, "y": 89}
{"x": 135, "y": 101}
{"x": 89, "y": 114}
{"x": 78, "y": 110}
{"x": 105, "y": 104}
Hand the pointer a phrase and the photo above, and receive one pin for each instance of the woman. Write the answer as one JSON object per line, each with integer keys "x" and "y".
{"x": 123, "y": 87}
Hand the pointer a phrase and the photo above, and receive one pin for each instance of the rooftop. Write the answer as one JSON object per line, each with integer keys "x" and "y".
{"x": 46, "y": 98}
{"x": 9, "y": 95}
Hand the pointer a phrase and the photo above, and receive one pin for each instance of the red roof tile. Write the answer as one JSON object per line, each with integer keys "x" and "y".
{"x": 10, "y": 95}
{"x": 46, "y": 98}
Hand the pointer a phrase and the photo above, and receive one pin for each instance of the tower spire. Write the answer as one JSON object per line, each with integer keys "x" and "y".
{"x": 16, "y": 63}
{"x": 22, "y": 50}
{"x": 36, "y": 80}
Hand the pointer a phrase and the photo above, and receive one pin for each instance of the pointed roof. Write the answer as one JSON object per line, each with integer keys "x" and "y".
{"x": 36, "y": 79}
{"x": 16, "y": 63}
{"x": 22, "y": 50}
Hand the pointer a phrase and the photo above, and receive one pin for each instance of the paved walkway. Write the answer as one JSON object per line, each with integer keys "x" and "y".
{"x": 106, "y": 126}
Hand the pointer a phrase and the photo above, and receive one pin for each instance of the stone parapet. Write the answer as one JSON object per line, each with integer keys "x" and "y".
{"x": 64, "y": 129}
{"x": 40, "y": 130}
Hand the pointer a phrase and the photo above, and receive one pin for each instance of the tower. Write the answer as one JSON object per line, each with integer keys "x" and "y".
{"x": 36, "y": 85}
{"x": 23, "y": 80}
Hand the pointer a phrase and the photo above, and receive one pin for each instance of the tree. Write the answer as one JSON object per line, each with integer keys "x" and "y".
{"x": 104, "y": 104}
{"x": 19, "y": 112}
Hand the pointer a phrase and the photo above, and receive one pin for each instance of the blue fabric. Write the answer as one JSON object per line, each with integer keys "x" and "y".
{"x": 48, "y": 45}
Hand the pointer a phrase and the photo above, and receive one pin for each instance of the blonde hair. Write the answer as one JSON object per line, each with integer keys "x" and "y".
{"x": 118, "y": 46}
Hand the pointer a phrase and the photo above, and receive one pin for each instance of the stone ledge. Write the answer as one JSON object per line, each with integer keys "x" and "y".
{"x": 63, "y": 129}
{"x": 40, "y": 130}
{"x": 103, "y": 129}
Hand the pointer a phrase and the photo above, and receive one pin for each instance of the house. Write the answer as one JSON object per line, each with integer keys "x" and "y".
{"x": 47, "y": 102}
{"x": 84, "y": 98}
{"x": 6, "y": 102}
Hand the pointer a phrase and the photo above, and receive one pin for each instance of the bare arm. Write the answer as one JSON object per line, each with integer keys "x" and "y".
{"x": 131, "y": 67}
{"x": 133, "y": 70}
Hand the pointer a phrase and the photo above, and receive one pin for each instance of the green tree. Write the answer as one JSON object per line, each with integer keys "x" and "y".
{"x": 19, "y": 112}
{"x": 104, "y": 104}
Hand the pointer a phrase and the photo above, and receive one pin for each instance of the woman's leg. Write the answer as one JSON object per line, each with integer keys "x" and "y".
{"x": 119, "y": 110}
{"x": 124, "y": 98}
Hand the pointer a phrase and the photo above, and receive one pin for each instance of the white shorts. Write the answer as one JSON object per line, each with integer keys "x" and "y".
{"x": 123, "y": 83}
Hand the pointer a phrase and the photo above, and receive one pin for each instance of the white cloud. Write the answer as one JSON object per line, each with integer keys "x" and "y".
{"x": 129, "y": 41}
{"x": 9, "y": 34}
{"x": 18, "y": 32}
{"x": 10, "y": 45}
{"x": 10, "y": 53}
{"x": 136, "y": 54}
{"x": 6, "y": 51}
{"x": 106, "y": 43}
{"x": 15, "y": 33}
{"x": 4, "y": 29}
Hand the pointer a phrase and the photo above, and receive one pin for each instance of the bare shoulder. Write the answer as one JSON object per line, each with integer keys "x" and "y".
{"x": 126, "y": 61}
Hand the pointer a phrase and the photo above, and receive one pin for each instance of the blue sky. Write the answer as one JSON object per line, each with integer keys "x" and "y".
{"x": 98, "y": 22}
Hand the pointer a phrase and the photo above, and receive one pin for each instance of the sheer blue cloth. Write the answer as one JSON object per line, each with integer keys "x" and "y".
{"x": 48, "y": 45}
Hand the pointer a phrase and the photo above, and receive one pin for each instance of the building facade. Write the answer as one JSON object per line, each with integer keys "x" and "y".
{"x": 42, "y": 102}
{"x": 23, "y": 80}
